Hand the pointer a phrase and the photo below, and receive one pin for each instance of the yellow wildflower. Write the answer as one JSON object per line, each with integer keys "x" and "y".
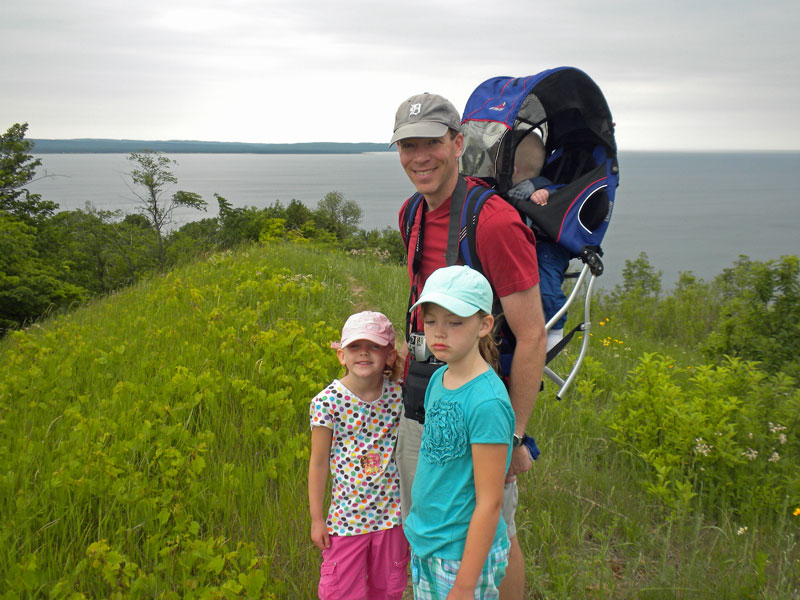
{"x": 797, "y": 512}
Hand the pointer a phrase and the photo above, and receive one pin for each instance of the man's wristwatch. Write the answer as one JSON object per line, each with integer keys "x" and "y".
{"x": 518, "y": 440}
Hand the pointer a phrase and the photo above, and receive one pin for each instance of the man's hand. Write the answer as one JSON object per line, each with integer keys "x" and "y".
{"x": 520, "y": 462}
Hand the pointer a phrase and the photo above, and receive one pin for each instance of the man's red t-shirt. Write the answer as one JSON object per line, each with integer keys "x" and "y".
{"x": 506, "y": 246}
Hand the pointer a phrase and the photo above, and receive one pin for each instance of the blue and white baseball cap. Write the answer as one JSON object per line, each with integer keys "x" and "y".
{"x": 461, "y": 290}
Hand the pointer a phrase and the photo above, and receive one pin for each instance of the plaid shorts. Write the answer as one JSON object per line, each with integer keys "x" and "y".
{"x": 434, "y": 577}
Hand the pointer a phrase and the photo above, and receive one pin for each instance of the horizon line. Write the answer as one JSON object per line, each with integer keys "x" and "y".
{"x": 384, "y": 145}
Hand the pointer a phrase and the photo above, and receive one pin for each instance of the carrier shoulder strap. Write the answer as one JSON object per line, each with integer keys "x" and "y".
{"x": 457, "y": 203}
{"x": 410, "y": 215}
{"x": 468, "y": 234}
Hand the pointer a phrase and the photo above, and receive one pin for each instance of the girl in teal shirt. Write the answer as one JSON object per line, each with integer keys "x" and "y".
{"x": 458, "y": 540}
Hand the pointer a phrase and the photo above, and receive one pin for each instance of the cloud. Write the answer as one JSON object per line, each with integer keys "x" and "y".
{"x": 676, "y": 75}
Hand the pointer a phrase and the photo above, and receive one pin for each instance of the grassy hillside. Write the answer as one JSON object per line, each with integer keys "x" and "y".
{"x": 154, "y": 445}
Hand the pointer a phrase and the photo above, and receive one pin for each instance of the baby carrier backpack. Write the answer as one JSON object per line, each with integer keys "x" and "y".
{"x": 567, "y": 110}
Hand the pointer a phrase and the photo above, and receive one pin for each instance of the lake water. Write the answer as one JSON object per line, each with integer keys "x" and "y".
{"x": 689, "y": 212}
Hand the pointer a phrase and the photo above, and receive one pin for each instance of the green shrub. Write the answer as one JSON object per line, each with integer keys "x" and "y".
{"x": 760, "y": 317}
{"x": 715, "y": 436}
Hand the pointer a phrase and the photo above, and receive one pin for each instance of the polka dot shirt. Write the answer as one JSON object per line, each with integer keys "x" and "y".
{"x": 365, "y": 491}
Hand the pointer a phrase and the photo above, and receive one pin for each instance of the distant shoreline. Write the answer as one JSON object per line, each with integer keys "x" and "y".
{"x": 109, "y": 146}
{"x": 103, "y": 146}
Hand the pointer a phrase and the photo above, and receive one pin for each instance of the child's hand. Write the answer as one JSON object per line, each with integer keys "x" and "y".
{"x": 540, "y": 197}
{"x": 319, "y": 535}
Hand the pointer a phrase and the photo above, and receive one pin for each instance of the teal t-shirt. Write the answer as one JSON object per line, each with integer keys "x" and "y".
{"x": 443, "y": 494}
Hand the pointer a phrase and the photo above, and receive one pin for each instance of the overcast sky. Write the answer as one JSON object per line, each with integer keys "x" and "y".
{"x": 698, "y": 74}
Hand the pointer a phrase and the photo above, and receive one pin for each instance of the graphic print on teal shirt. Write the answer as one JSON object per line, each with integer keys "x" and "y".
{"x": 445, "y": 438}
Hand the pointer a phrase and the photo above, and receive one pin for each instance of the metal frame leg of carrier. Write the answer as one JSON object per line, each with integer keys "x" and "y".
{"x": 592, "y": 269}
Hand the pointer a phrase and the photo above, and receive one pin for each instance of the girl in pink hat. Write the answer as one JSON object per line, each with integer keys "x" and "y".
{"x": 354, "y": 423}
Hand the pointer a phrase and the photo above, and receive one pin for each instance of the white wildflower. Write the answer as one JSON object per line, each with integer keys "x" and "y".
{"x": 774, "y": 458}
{"x": 782, "y": 438}
{"x": 741, "y": 531}
{"x": 776, "y": 428}
{"x": 750, "y": 454}
{"x": 701, "y": 447}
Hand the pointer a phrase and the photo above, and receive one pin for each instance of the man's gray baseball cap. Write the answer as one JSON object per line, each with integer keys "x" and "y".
{"x": 425, "y": 115}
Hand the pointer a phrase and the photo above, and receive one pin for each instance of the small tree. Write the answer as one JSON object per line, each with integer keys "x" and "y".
{"x": 153, "y": 173}
{"x": 239, "y": 225}
{"x": 640, "y": 278}
{"x": 297, "y": 214}
{"x": 338, "y": 215}
{"x": 18, "y": 169}
{"x": 760, "y": 315}
{"x": 635, "y": 301}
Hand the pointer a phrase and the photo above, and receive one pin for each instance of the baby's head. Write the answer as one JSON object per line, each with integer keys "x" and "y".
{"x": 528, "y": 159}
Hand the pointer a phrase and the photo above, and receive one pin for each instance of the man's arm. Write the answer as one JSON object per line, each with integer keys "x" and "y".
{"x": 523, "y": 313}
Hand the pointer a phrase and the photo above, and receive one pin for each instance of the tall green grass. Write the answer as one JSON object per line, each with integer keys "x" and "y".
{"x": 153, "y": 444}
{"x": 594, "y": 533}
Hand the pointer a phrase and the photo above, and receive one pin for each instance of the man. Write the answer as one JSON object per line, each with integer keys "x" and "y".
{"x": 427, "y": 134}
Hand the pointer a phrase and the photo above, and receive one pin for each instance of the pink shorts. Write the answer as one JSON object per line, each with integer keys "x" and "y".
{"x": 370, "y": 566}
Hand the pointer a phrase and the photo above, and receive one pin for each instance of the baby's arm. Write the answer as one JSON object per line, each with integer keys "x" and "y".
{"x": 488, "y": 465}
{"x": 318, "y": 466}
{"x": 540, "y": 197}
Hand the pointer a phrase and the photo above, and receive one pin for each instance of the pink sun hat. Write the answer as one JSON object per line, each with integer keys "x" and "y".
{"x": 367, "y": 325}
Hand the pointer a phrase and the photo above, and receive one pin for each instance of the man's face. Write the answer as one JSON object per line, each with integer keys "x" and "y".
{"x": 432, "y": 164}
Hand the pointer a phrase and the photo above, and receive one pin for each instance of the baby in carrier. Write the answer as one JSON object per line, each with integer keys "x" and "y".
{"x": 553, "y": 259}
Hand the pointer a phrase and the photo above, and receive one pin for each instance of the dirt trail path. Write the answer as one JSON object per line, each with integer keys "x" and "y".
{"x": 357, "y": 292}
